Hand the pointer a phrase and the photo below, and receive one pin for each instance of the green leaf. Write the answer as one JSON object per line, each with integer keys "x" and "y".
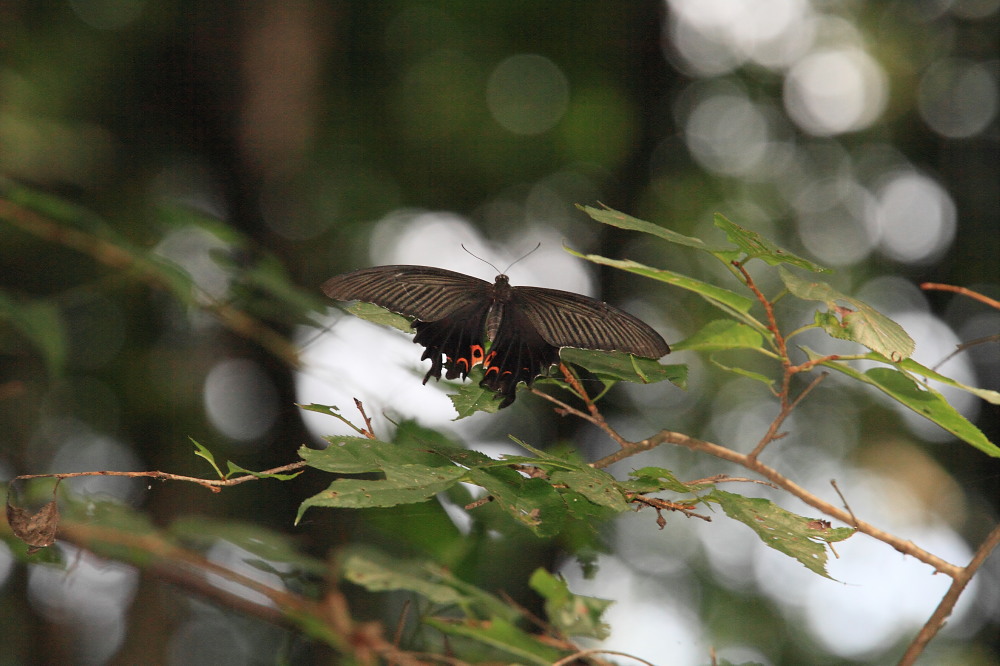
{"x": 912, "y": 366}
{"x": 921, "y": 399}
{"x": 404, "y": 484}
{"x": 377, "y": 571}
{"x": 722, "y": 334}
{"x": 596, "y": 485}
{"x": 802, "y": 538}
{"x": 756, "y": 246}
{"x": 726, "y": 300}
{"x": 203, "y": 452}
{"x": 358, "y": 455}
{"x": 573, "y": 614}
{"x": 622, "y": 221}
{"x": 471, "y": 398}
{"x": 864, "y": 325}
{"x": 533, "y": 503}
{"x": 502, "y": 635}
{"x": 380, "y": 316}
{"x": 743, "y": 372}
{"x": 619, "y": 366}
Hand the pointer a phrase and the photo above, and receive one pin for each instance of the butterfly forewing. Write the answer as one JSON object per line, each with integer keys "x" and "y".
{"x": 565, "y": 319}
{"x": 422, "y": 292}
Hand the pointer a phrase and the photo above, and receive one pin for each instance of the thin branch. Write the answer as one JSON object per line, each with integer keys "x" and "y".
{"x": 947, "y": 605}
{"x": 982, "y": 298}
{"x": 215, "y": 485}
{"x": 594, "y": 417}
{"x": 786, "y": 409}
{"x": 367, "y": 431}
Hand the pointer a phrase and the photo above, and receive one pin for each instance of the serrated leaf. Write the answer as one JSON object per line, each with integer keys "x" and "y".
{"x": 380, "y": 316}
{"x": 756, "y": 246}
{"x": 596, "y": 485}
{"x": 726, "y": 300}
{"x": 722, "y": 334}
{"x": 573, "y": 614}
{"x": 404, "y": 484}
{"x": 619, "y": 366}
{"x": 799, "y": 537}
{"x": 533, "y": 503}
{"x": 864, "y": 325}
{"x": 921, "y": 399}
{"x": 472, "y": 398}
{"x": 359, "y": 455}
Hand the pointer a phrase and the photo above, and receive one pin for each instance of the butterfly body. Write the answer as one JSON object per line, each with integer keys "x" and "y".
{"x": 515, "y": 333}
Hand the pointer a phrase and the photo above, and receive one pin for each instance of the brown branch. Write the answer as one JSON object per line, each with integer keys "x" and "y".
{"x": 594, "y": 417}
{"x": 786, "y": 484}
{"x": 982, "y": 298}
{"x": 215, "y": 485}
{"x": 786, "y": 409}
{"x": 944, "y": 609}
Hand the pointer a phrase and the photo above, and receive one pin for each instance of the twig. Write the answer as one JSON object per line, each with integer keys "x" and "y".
{"x": 658, "y": 504}
{"x": 215, "y": 485}
{"x": 367, "y": 431}
{"x": 786, "y": 409}
{"x": 564, "y": 409}
{"x": 982, "y": 298}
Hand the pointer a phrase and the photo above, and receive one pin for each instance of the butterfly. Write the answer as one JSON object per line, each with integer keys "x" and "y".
{"x": 515, "y": 333}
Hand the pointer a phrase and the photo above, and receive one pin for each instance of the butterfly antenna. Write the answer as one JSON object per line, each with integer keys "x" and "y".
{"x": 480, "y": 258}
{"x": 524, "y": 256}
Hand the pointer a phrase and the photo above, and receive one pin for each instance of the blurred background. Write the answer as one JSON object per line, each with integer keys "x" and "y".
{"x": 269, "y": 145}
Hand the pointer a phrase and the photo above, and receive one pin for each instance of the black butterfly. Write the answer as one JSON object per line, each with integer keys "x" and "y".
{"x": 455, "y": 315}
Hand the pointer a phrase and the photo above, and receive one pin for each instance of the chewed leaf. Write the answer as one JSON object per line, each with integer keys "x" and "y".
{"x": 758, "y": 247}
{"x": 863, "y": 324}
{"x": 803, "y": 538}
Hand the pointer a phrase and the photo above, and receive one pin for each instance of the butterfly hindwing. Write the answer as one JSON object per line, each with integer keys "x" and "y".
{"x": 454, "y": 342}
{"x": 518, "y": 354}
